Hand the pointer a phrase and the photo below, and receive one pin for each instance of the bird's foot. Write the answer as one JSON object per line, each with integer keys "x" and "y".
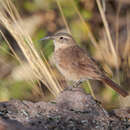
{"x": 77, "y": 83}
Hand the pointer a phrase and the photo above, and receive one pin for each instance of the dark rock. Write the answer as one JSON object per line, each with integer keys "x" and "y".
{"x": 72, "y": 110}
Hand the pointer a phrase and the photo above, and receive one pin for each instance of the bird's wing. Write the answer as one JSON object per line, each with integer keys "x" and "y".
{"x": 83, "y": 63}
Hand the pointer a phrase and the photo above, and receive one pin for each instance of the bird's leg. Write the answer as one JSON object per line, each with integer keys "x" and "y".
{"x": 77, "y": 83}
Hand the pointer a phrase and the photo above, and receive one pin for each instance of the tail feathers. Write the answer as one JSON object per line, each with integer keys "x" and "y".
{"x": 114, "y": 86}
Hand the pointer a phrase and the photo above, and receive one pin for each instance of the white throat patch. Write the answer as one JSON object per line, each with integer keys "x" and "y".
{"x": 59, "y": 45}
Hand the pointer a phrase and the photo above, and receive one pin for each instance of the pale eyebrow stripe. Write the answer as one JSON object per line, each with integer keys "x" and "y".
{"x": 62, "y": 33}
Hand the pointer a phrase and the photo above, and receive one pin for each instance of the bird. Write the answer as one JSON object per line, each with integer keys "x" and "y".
{"x": 75, "y": 64}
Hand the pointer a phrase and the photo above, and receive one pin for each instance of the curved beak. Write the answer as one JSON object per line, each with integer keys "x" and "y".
{"x": 46, "y": 38}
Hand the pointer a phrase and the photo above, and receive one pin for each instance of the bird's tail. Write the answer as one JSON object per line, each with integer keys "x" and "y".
{"x": 114, "y": 86}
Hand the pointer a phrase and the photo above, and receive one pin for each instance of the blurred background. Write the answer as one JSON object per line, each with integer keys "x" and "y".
{"x": 83, "y": 19}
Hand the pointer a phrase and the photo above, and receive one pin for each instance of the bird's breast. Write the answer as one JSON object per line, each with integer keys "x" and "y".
{"x": 63, "y": 64}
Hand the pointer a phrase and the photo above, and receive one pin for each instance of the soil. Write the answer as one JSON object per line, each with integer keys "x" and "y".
{"x": 71, "y": 110}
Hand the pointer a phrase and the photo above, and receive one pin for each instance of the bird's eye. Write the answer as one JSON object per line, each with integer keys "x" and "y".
{"x": 61, "y": 37}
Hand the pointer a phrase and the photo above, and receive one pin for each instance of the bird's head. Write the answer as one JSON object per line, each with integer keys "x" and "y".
{"x": 61, "y": 39}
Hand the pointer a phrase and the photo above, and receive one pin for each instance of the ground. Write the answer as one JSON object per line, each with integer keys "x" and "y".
{"x": 71, "y": 110}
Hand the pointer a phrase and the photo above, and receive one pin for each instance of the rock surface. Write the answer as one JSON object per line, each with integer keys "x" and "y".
{"x": 72, "y": 110}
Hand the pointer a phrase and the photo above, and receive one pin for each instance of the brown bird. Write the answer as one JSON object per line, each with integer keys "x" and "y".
{"x": 75, "y": 64}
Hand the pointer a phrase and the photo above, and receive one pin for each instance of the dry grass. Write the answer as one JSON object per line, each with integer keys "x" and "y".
{"x": 41, "y": 70}
{"x": 63, "y": 17}
{"x": 110, "y": 42}
{"x": 107, "y": 48}
{"x": 127, "y": 45}
{"x": 86, "y": 25}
